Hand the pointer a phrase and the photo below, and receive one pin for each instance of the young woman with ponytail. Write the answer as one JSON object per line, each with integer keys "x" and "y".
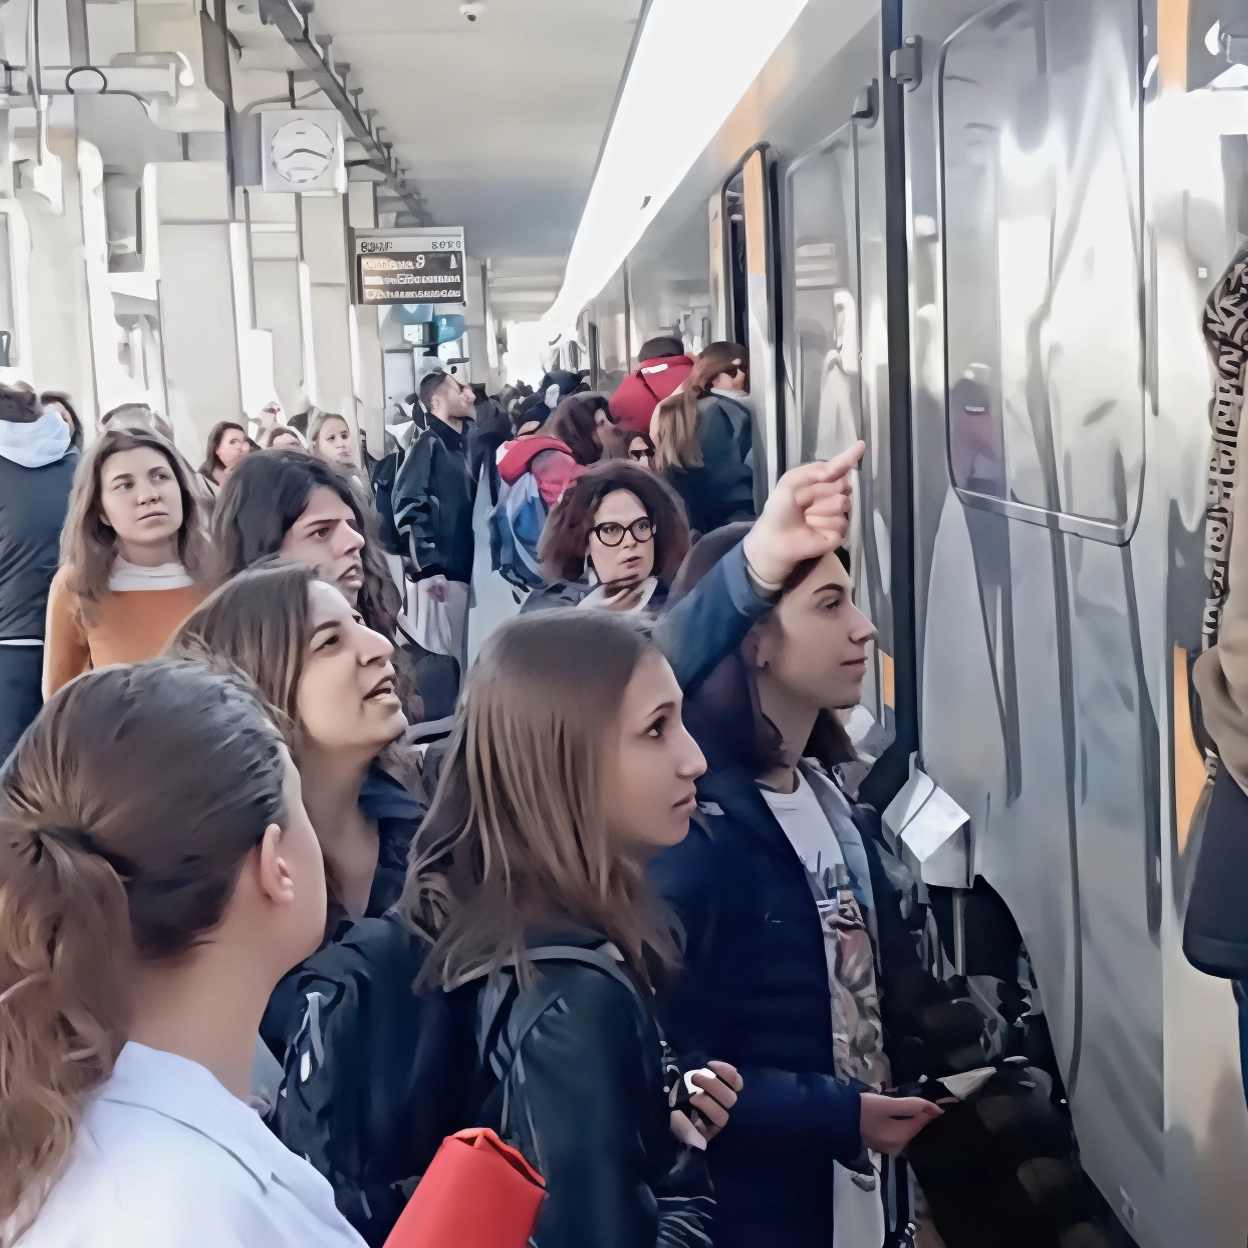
{"x": 703, "y": 438}
{"x": 158, "y": 876}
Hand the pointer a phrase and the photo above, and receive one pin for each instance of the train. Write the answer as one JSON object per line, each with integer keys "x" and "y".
{"x": 981, "y": 237}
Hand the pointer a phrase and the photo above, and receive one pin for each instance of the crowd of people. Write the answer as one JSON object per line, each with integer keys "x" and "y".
{"x": 267, "y": 938}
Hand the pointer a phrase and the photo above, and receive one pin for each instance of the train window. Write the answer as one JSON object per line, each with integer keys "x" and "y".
{"x": 825, "y": 291}
{"x": 823, "y": 207}
{"x": 595, "y": 356}
{"x": 1041, "y": 221}
{"x": 738, "y": 268}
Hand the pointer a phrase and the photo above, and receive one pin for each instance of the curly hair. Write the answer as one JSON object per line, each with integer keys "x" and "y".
{"x": 565, "y": 539}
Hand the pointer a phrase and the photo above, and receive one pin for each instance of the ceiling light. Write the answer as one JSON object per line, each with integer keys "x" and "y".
{"x": 652, "y": 144}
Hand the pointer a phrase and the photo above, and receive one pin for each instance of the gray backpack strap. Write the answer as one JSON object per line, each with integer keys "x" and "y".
{"x": 534, "y": 1001}
{"x": 528, "y": 1008}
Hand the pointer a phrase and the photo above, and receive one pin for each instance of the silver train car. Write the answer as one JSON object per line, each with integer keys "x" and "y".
{"x": 980, "y": 236}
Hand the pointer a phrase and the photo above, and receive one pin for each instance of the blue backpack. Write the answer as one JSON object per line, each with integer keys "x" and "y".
{"x": 516, "y": 522}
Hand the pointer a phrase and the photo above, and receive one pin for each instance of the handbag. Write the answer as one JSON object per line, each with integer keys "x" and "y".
{"x": 477, "y": 1193}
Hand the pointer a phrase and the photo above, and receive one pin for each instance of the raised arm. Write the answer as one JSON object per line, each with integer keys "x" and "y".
{"x": 807, "y": 515}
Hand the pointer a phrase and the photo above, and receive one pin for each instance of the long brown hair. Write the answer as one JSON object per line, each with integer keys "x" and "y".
{"x": 266, "y": 442}
{"x": 260, "y": 624}
{"x": 725, "y": 713}
{"x": 517, "y": 836}
{"x": 212, "y": 460}
{"x": 564, "y": 544}
{"x": 117, "y": 843}
{"x": 674, "y": 425}
{"x": 575, "y": 423}
{"x": 89, "y": 546}
{"x": 266, "y": 493}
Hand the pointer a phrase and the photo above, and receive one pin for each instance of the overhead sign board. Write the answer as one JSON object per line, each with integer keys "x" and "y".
{"x": 417, "y": 265}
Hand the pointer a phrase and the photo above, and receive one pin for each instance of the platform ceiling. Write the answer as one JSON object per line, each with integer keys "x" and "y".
{"x": 498, "y": 121}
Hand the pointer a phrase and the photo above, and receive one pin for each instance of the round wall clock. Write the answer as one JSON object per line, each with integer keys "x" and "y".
{"x": 301, "y": 151}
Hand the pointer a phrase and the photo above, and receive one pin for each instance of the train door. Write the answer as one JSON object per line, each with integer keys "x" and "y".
{"x": 1037, "y": 646}
{"x": 836, "y": 362}
{"x": 743, "y": 268}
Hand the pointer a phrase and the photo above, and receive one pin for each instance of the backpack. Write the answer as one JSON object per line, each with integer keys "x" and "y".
{"x": 376, "y": 1076}
{"x": 516, "y": 522}
{"x": 382, "y": 475}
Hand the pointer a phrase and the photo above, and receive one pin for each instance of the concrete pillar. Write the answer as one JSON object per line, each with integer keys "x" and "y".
{"x": 58, "y": 354}
{"x": 281, "y": 306}
{"x": 198, "y": 308}
{"x": 370, "y": 383}
{"x": 322, "y": 231}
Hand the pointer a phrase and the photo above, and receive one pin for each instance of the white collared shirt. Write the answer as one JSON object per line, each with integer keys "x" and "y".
{"x": 165, "y": 1157}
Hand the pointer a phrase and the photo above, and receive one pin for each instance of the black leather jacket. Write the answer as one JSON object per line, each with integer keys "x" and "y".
{"x": 583, "y": 1098}
{"x": 432, "y": 500}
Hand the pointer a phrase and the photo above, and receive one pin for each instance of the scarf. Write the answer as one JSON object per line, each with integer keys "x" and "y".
{"x": 36, "y": 444}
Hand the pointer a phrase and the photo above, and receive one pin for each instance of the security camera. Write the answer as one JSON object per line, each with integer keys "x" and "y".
{"x": 472, "y": 11}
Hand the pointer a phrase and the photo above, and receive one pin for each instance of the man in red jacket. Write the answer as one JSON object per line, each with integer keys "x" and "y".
{"x": 664, "y": 369}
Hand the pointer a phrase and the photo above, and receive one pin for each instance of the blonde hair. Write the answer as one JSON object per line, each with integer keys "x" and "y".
{"x": 674, "y": 425}
{"x": 517, "y": 835}
{"x": 116, "y": 844}
{"x": 316, "y": 424}
{"x": 674, "y": 430}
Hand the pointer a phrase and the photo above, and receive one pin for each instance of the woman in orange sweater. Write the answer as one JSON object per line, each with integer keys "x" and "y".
{"x": 133, "y": 558}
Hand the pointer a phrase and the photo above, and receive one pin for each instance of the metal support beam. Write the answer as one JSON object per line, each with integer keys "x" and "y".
{"x": 291, "y": 19}
{"x": 76, "y": 20}
{"x": 146, "y": 82}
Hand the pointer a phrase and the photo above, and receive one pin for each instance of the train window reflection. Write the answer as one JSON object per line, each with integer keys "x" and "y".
{"x": 824, "y": 205}
{"x": 738, "y": 267}
{"x": 1040, "y": 181}
{"x": 825, "y": 294}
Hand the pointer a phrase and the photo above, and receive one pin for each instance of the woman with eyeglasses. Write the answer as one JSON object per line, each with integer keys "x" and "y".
{"x": 613, "y": 541}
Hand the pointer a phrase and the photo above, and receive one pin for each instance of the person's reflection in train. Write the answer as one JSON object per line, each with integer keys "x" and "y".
{"x": 976, "y": 447}
{"x": 840, "y": 408}
{"x": 977, "y": 453}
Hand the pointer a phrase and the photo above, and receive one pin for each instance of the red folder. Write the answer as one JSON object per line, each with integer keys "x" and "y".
{"x": 477, "y": 1193}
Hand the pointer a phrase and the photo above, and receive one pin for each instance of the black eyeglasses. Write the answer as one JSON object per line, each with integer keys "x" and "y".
{"x": 644, "y": 453}
{"x": 612, "y": 534}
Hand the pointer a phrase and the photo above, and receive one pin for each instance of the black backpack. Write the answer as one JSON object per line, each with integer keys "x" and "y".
{"x": 382, "y": 476}
{"x": 377, "y": 1076}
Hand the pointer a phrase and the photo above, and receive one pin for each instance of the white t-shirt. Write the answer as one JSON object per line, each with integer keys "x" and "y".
{"x": 127, "y": 577}
{"x": 858, "y": 1216}
{"x": 167, "y": 1158}
{"x": 808, "y": 831}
